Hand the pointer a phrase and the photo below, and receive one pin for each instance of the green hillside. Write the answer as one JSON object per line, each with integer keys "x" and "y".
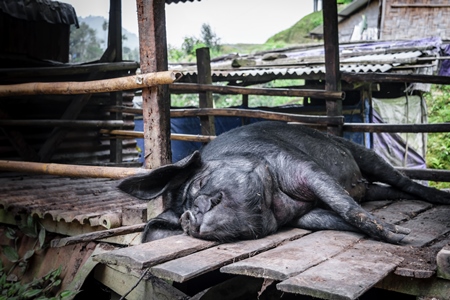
{"x": 299, "y": 32}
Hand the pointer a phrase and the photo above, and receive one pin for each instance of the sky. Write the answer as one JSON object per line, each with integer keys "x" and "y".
{"x": 233, "y": 21}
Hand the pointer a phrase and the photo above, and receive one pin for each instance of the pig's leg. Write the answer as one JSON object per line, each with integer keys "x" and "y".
{"x": 375, "y": 192}
{"x": 303, "y": 180}
{"x": 164, "y": 225}
{"x": 376, "y": 169}
{"x": 321, "y": 219}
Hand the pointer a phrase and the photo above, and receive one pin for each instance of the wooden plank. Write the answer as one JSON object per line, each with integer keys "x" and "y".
{"x": 400, "y": 211}
{"x": 443, "y": 263}
{"x": 155, "y": 252}
{"x": 92, "y": 236}
{"x": 238, "y": 287}
{"x": 122, "y": 282}
{"x": 193, "y": 265}
{"x": 390, "y": 77}
{"x": 296, "y": 256}
{"x": 428, "y": 226}
{"x": 347, "y": 275}
{"x": 373, "y": 205}
{"x": 433, "y": 288}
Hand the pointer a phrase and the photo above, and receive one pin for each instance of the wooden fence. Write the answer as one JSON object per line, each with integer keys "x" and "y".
{"x": 206, "y": 112}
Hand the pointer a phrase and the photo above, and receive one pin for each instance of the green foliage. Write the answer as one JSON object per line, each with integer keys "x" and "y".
{"x": 83, "y": 45}
{"x": 191, "y": 43}
{"x": 438, "y": 148}
{"x": 130, "y": 54}
{"x": 41, "y": 288}
{"x": 209, "y": 38}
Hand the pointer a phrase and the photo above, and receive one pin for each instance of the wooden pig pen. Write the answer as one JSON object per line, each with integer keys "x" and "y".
{"x": 99, "y": 227}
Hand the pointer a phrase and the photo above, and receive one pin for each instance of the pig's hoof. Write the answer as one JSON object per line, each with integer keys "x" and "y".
{"x": 402, "y": 230}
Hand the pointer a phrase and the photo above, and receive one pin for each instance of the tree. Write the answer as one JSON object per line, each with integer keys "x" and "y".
{"x": 84, "y": 45}
{"x": 209, "y": 38}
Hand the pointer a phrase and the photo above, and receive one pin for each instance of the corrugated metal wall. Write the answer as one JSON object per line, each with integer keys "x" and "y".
{"x": 80, "y": 145}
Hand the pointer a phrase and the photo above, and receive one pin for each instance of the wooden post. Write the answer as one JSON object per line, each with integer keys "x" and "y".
{"x": 155, "y": 100}
{"x": 206, "y": 100}
{"x": 332, "y": 71}
{"x": 115, "y": 42}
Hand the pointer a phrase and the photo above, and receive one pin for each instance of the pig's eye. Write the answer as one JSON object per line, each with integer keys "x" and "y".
{"x": 216, "y": 199}
{"x": 195, "y": 208}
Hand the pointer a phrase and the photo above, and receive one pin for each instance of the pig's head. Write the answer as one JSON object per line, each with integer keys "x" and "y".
{"x": 214, "y": 200}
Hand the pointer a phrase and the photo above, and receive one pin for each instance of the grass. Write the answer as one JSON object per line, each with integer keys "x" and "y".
{"x": 438, "y": 147}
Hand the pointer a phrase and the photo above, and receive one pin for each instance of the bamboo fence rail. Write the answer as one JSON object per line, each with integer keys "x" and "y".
{"x": 63, "y": 123}
{"x": 184, "y": 88}
{"x": 89, "y": 87}
{"x": 69, "y": 170}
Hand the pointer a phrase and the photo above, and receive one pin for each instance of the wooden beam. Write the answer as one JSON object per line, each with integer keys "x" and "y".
{"x": 155, "y": 101}
{"x": 115, "y": 42}
{"x": 384, "y": 77}
{"x": 332, "y": 70}
{"x": 182, "y": 88}
{"x": 17, "y": 140}
{"x": 205, "y": 97}
{"x": 67, "y": 70}
{"x": 97, "y": 235}
{"x": 370, "y": 127}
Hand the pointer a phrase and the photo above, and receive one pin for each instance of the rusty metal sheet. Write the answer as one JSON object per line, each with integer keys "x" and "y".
{"x": 85, "y": 201}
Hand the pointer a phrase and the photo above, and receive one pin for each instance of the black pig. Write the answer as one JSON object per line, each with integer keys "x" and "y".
{"x": 252, "y": 180}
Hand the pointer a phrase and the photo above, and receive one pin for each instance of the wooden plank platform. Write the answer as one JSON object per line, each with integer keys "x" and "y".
{"x": 324, "y": 264}
{"x": 193, "y": 265}
{"x": 347, "y": 275}
{"x": 295, "y": 257}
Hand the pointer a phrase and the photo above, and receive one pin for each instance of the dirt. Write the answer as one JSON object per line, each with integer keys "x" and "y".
{"x": 420, "y": 262}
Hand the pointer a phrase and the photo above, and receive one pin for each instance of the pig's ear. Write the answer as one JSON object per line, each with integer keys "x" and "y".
{"x": 162, "y": 179}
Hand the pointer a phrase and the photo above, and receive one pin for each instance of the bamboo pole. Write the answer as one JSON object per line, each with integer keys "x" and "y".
{"x": 362, "y": 127}
{"x": 64, "y": 123}
{"x": 173, "y": 136}
{"x": 69, "y": 170}
{"x": 89, "y": 87}
{"x": 236, "y": 112}
{"x": 68, "y": 69}
{"x": 183, "y": 88}
{"x": 384, "y": 77}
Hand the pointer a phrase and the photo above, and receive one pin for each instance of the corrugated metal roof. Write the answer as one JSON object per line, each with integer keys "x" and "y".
{"x": 178, "y": 1}
{"x": 311, "y": 61}
{"x": 40, "y": 10}
{"x": 63, "y": 199}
